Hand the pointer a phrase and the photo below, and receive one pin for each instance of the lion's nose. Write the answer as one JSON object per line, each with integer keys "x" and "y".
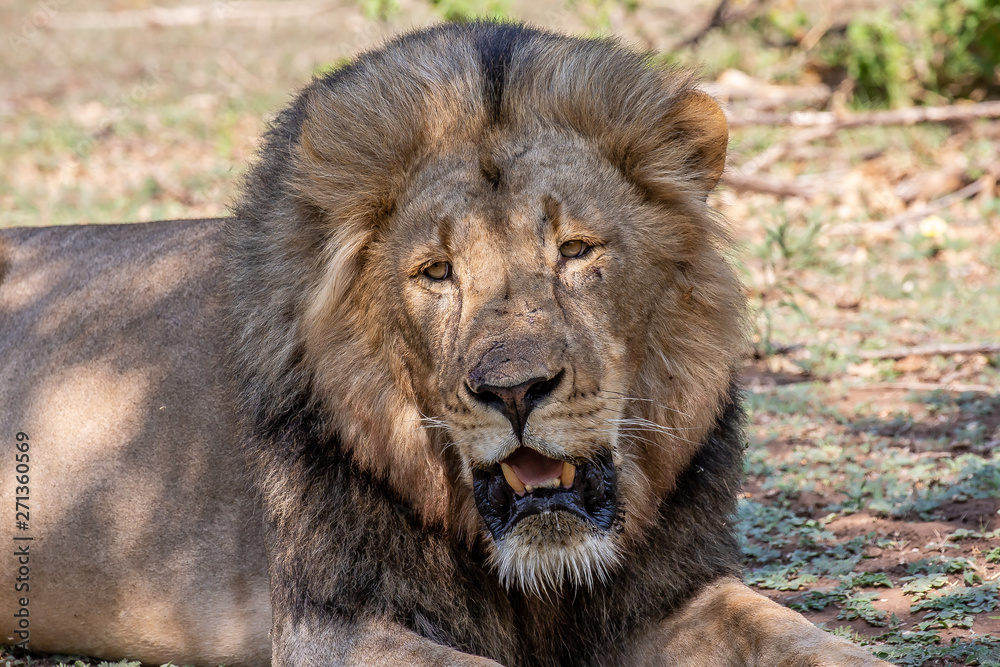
{"x": 516, "y": 402}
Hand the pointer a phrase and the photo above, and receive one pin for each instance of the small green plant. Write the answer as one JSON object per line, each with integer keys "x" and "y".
{"x": 940, "y": 565}
{"x": 922, "y": 51}
{"x": 380, "y": 10}
{"x": 870, "y": 580}
{"x": 467, "y": 10}
{"x": 819, "y": 600}
{"x": 955, "y": 609}
{"x": 859, "y": 606}
{"x": 920, "y": 587}
{"x": 982, "y": 651}
{"x": 786, "y": 250}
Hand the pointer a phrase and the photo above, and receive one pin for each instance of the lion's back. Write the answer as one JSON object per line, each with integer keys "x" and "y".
{"x": 140, "y": 523}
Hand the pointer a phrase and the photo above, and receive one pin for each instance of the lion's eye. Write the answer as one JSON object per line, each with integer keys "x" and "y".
{"x": 574, "y": 248}
{"x": 438, "y": 270}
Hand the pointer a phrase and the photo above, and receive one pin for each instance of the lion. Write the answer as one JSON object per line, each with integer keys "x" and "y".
{"x": 455, "y": 384}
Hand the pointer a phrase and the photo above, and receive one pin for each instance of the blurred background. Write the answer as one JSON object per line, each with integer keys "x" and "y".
{"x": 862, "y": 192}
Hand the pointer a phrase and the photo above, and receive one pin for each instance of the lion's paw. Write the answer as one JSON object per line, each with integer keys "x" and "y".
{"x": 835, "y": 653}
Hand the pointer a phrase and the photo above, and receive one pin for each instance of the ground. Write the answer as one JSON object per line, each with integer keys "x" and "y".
{"x": 873, "y": 485}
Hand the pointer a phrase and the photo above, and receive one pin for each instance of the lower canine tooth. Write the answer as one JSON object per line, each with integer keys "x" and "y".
{"x": 511, "y": 477}
{"x": 568, "y": 473}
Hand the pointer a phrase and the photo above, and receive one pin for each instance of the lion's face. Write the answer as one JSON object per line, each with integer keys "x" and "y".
{"x": 518, "y": 290}
{"x": 523, "y": 320}
{"x": 530, "y": 280}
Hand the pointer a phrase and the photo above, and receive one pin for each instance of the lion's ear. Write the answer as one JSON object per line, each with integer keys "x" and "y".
{"x": 700, "y": 120}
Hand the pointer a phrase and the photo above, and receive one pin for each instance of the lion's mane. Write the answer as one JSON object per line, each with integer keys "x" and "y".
{"x": 369, "y": 501}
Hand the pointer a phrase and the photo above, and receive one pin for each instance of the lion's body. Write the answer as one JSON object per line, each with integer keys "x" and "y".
{"x": 145, "y": 545}
{"x": 481, "y": 338}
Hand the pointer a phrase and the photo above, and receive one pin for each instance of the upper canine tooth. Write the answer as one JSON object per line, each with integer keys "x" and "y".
{"x": 568, "y": 473}
{"x": 511, "y": 477}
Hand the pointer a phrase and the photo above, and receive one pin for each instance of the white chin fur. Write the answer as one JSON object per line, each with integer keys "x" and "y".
{"x": 545, "y": 551}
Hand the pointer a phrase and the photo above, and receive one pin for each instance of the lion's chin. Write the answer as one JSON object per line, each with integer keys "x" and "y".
{"x": 560, "y": 532}
{"x": 544, "y": 552}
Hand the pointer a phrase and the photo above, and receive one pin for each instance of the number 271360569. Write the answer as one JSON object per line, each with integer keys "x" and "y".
{"x": 22, "y": 478}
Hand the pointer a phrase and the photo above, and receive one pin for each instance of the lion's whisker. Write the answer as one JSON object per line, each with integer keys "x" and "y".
{"x": 631, "y": 432}
{"x": 625, "y": 397}
{"x": 654, "y": 443}
{"x": 430, "y": 422}
{"x": 643, "y": 425}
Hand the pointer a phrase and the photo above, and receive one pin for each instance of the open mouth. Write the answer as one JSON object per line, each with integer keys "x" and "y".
{"x": 528, "y": 483}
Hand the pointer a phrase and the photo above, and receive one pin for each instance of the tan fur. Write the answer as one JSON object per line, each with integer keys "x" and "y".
{"x": 729, "y": 625}
{"x": 144, "y": 543}
{"x": 374, "y": 644}
{"x": 351, "y": 372}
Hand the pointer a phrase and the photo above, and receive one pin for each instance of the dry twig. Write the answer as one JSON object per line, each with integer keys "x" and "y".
{"x": 908, "y": 116}
{"x": 769, "y": 185}
{"x": 734, "y": 85}
{"x": 777, "y": 151}
{"x": 931, "y": 350}
{"x": 927, "y": 386}
{"x": 215, "y": 12}
{"x": 914, "y": 214}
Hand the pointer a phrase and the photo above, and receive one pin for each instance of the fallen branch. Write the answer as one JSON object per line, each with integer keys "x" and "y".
{"x": 838, "y": 120}
{"x": 914, "y": 214}
{"x": 931, "y": 350}
{"x": 775, "y": 152}
{"x": 769, "y": 185}
{"x": 926, "y": 386}
{"x": 217, "y": 12}
{"x": 773, "y": 387}
{"x": 747, "y": 177}
{"x": 734, "y": 85}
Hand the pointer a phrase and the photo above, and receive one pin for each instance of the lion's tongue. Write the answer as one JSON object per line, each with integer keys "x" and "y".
{"x": 533, "y": 468}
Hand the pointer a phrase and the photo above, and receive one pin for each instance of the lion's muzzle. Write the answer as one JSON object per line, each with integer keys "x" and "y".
{"x": 587, "y": 490}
